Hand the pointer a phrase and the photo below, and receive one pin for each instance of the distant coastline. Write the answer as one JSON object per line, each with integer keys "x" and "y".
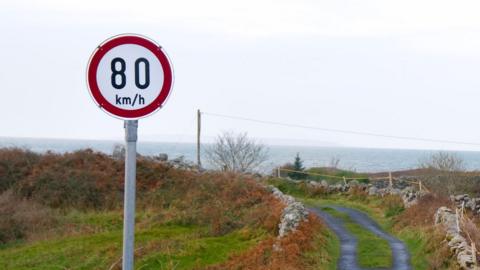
{"x": 359, "y": 159}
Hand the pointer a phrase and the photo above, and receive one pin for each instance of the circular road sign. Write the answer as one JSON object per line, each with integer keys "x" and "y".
{"x": 129, "y": 76}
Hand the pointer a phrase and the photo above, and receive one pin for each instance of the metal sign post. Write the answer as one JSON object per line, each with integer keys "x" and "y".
{"x": 131, "y": 127}
{"x": 129, "y": 77}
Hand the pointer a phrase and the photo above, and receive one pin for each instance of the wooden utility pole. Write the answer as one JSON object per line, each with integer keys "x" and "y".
{"x": 199, "y": 125}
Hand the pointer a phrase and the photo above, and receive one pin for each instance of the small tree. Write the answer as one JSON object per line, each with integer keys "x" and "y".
{"x": 236, "y": 153}
{"x": 444, "y": 173}
{"x": 298, "y": 168}
{"x": 443, "y": 162}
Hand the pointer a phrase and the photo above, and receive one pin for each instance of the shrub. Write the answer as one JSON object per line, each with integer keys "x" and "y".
{"x": 224, "y": 202}
{"x": 22, "y": 219}
{"x": 82, "y": 179}
{"x": 316, "y": 191}
{"x": 422, "y": 213}
{"x": 445, "y": 174}
{"x": 15, "y": 165}
{"x": 357, "y": 193}
{"x": 272, "y": 253}
{"x": 452, "y": 183}
{"x": 444, "y": 162}
{"x": 86, "y": 180}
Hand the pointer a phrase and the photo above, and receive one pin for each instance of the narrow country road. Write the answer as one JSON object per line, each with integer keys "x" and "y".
{"x": 348, "y": 242}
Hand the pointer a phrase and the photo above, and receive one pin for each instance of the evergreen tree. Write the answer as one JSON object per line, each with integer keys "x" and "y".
{"x": 298, "y": 168}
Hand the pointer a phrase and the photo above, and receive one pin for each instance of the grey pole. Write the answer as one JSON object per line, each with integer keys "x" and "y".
{"x": 129, "y": 194}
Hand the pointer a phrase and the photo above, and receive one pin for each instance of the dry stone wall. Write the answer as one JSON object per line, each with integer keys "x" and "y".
{"x": 293, "y": 213}
{"x": 409, "y": 194}
{"x": 457, "y": 243}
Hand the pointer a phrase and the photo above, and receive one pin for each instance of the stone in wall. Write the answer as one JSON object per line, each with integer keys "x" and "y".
{"x": 373, "y": 191}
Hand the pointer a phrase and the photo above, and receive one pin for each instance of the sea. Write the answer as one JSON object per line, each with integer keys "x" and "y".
{"x": 351, "y": 158}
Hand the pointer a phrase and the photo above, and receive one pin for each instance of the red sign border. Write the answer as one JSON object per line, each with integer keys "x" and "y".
{"x": 113, "y": 42}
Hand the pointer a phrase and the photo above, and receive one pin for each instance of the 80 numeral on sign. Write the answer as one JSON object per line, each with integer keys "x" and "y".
{"x": 118, "y": 72}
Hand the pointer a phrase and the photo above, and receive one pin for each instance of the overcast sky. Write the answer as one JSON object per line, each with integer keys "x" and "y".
{"x": 406, "y": 68}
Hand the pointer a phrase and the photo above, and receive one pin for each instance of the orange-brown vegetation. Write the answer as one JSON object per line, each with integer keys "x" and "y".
{"x": 21, "y": 218}
{"x": 279, "y": 254}
{"x": 422, "y": 214}
{"x": 223, "y": 201}
{"x": 87, "y": 180}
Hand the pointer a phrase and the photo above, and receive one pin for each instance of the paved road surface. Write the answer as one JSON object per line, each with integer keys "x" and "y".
{"x": 348, "y": 242}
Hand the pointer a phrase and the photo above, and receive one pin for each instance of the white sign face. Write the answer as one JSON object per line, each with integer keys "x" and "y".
{"x": 125, "y": 78}
{"x": 129, "y": 77}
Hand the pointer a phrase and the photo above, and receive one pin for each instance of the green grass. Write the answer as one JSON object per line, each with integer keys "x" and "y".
{"x": 96, "y": 221}
{"x": 157, "y": 247}
{"x": 336, "y": 173}
{"x": 325, "y": 252}
{"x": 288, "y": 187}
{"x": 416, "y": 242}
{"x": 333, "y": 249}
{"x": 373, "y": 251}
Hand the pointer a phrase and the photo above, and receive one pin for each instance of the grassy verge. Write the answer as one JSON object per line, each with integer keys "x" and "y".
{"x": 157, "y": 247}
{"x": 325, "y": 251}
{"x": 417, "y": 243}
{"x": 373, "y": 251}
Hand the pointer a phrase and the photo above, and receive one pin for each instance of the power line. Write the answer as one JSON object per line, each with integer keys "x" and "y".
{"x": 340, "y": 130}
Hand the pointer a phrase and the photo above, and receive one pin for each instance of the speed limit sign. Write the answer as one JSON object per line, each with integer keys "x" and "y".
{"x": 129, "y": 76}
